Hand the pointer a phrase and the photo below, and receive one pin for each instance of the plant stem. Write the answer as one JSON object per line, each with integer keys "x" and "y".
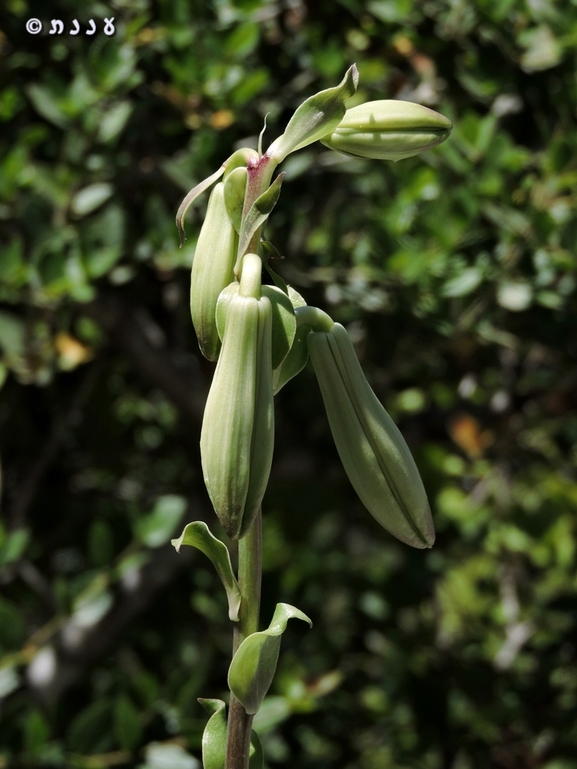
{"x": 249, "y": 580}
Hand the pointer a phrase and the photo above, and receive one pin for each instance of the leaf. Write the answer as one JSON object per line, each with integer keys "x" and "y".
{"x": 12, "y": 334}
{"x": 113, "y": 121}
{"x": 191, "y": 197}
{"x": 316, "y": 117}
{"x": 89, "y": 731}
{"x": 197, "y": 534}
{"x": 13, "y": 545}
{"x": 464, "y": 283}
{"x": 294, "y": 362}
{"x": 214, "y": 738}
{"x": 9, "y": 680}
{"x": 155, "y": 528}
{"x": 298, "y": 355}
{"x": 127, "y": 726}
{"x": 90, "y": 198}
{"x": 257, "y": 216}
{"x": 168, "y": 755}
{"x": 254, "y": 664}
{"x": 214, "y": 735}
{"x": 542, "y": 49}
{"x": 284, "y": 324}
{"x": 47, "y": 104}
{"x": 256, "y": 758}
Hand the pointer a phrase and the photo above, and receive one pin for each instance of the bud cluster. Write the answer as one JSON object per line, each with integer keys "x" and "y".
{"x": 261, "y": 336}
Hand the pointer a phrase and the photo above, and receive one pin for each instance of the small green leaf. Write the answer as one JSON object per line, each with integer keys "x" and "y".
{"x": 316, "y": 117}
{"x": 113, "y": 121}
{"x": 48, "y": 104}
{"x": 191, "y": 197}
{"x": 36, "y": 732}
{"x": 294, "y": 362}
{"x": 254, "y": 664}
{"x": 284, "y": 324}
{"x": 297, "y": 356}
{"x": 12, "y": 335}
{"x": 9, "y": 679}
{"x": 464, "y": 283}
{"x": 257, "y": 216}
{"x": 214, "y": 735}
{"x": 13, "y": 545}
{"x": 160, "y": 755}
{"x": 256, "y": 757}
{"x": 237, "y": 159}
{"x": 127, "y": 726}
{"x": 155, "y": 528}
{"x": 90, "y": 198}
{"x": 214, "y": 738}
{"x": 197, "y": 534}
{"x": 90, "y": 729}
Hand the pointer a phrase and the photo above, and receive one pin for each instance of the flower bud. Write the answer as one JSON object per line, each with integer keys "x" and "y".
{"x": 212, "y": 270}
{"x": 373, "y": 452}
{"x": 388, "y": 130}
{"x": 237, "y": 436}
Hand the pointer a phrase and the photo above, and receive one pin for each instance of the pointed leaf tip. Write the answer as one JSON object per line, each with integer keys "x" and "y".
{"x": 197, "y": 534}
{"x": 316, "y": 117}
{"x": 191, "y": 197}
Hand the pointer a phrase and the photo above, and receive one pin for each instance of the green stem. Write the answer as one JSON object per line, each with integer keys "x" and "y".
{"x": 317, "y": 319}
{"x": 249, "y": 580}
{"x": 250, "y": 276}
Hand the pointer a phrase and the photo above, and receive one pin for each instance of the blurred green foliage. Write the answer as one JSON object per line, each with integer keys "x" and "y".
{"x": 456, "y": 274}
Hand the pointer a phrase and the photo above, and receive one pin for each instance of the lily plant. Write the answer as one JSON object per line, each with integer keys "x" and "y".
{"x": 261, "y": 336}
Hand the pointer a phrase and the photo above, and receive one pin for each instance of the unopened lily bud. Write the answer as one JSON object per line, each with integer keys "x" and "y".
{"x": 388, "y": 130}
{"x": 212, "y": 270}
{"x": 373, "y": 452}
{"x": 237, "y": 437}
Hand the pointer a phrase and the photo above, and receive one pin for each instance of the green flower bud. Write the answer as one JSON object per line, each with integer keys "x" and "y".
{"x": 237, "y": 436}
{"x": 388, "y": 130}
{"x": 212, "y": 270}
{"x": 373, "y": 451}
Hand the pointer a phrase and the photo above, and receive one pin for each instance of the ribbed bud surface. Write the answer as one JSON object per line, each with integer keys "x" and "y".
{"x": 388, "y": 130}
{"x": 237, "y": 436}
{"x": 374, "y": 454}
{"x": 212, "y": 270}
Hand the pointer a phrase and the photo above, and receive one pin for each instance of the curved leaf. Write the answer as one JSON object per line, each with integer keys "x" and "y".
{"x": 197, "y": 534}
{"x": 257, "y": 216}
{"x": 191, "y": 197}
{"x": 254, "y": 664}
{"x": 284, "y": 324}
{"x": 316, "y": 117}
{"x": 214, "y": 735}
{"x": 214, "y": 738}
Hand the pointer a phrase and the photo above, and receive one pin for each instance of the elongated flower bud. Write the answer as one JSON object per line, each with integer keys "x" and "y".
{"x": 388, "y": 130}
{"x": 373, "y": 451}
{"x": 237, "y": 435}
{"x": 212, "y": 270}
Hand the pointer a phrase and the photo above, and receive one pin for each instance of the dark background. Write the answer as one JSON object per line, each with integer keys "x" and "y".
{"x": 455, "y": 273}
